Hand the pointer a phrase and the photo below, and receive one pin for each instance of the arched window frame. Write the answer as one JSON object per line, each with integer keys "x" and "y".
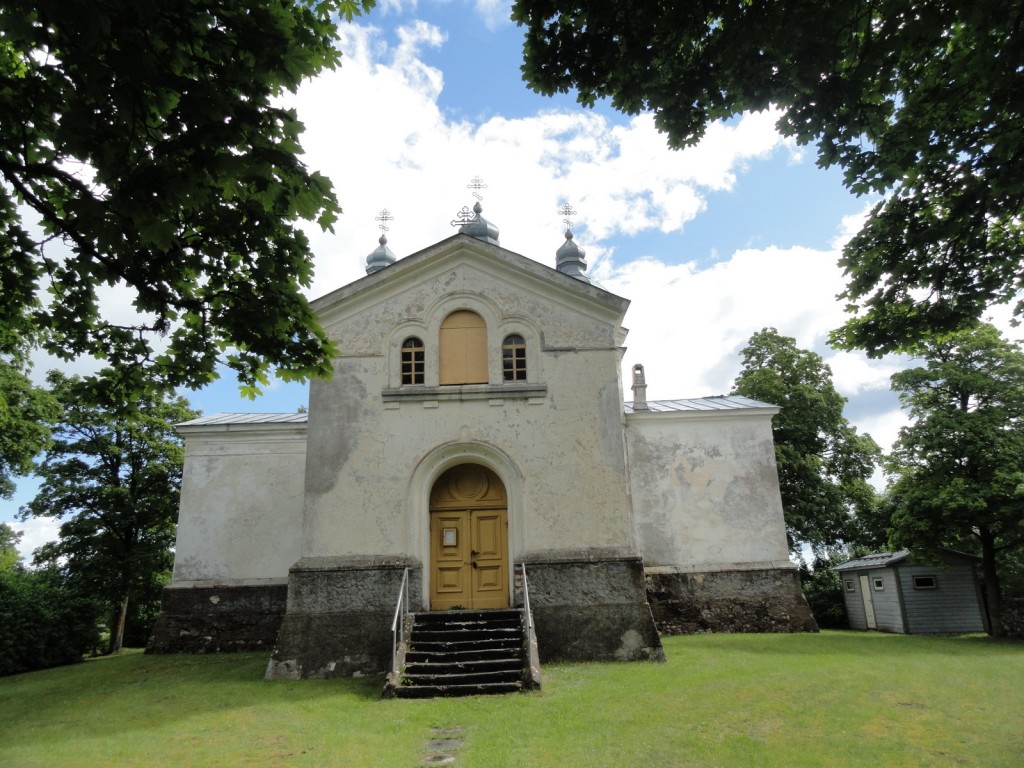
{"x": 513, "y": 358}
{"x": 413, "y": 361}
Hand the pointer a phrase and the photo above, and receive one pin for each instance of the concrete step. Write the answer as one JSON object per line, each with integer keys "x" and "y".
{"x": 435, "y": 691}
{"x": 462, "y": 653}
{"x": 450, "y": 667}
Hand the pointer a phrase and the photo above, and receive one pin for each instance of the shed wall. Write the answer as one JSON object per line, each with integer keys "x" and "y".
{"x": 886, "y": 602}
{"x": 953, "y": 606}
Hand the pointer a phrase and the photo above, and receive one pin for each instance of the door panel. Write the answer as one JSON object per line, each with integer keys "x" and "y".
{"x": 449, "y": 554}
{"x": 489, "y": 575}
{"x": 869, "y": 603}
{"x": 468, "y": 540}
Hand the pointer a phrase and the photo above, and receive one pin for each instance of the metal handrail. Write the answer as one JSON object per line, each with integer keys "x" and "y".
{"x": 526, "y": 600}
{"x": 398, "y": 623}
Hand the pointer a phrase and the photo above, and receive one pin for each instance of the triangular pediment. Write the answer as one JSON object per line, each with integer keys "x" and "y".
{"x": 490, "y": 264}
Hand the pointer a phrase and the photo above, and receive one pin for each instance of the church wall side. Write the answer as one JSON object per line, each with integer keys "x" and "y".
{"x": 241, "y": 505}
{"x": 238, "y": 533}
{"x": 709, "y": 522}
{"x": 705, "y": 489}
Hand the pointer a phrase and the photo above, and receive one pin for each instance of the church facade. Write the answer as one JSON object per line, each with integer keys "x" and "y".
{"x": 476, "y": 429}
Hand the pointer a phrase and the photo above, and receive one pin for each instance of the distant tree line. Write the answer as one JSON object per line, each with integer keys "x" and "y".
{"x": 955, "y": 476}
{"x": 112, "y": 476}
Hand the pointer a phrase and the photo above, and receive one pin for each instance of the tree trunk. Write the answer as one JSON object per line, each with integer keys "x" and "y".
{"x": 117, "y": 631}
{"x": 990, "y": 577}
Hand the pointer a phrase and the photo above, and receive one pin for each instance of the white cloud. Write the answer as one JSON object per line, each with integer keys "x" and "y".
{"x": 35, "y": 532}
{"x": 494, "y": 12}
{"x": 375, "y": 128}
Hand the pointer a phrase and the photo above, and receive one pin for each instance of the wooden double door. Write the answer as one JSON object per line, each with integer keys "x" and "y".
{"x": 468, "y": 540}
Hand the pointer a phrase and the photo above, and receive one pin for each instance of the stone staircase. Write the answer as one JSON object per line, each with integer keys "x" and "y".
{"x": 464, "y": 653}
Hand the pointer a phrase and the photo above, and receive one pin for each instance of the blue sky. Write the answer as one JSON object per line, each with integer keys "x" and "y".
{"x": 710, "y": 244}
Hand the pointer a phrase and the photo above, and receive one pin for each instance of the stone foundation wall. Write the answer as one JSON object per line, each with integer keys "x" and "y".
{"x": 218, "y": 619}
{"x": 338, "y": 621}
{"x": 589, "y": 606}
{"x": 762, "y": 600}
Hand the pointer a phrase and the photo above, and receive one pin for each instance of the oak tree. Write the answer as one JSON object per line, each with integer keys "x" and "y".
{"x": 25, "y": 410}
{"x": 824, "y": 464}
{"x": 147, "y": 162}
{"x": 9, "y": 555}
{"x": 918, "y": 101}
{"x": 113, "y": 477}
{"x": 958, "y": 469}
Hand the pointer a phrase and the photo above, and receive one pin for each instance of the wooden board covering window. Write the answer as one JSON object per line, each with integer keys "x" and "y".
{"x": 463, "y": 349}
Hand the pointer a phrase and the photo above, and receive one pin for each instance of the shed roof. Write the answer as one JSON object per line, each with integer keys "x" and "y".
{"x": 876, "y": 560}
{"x": 904, "y": 556}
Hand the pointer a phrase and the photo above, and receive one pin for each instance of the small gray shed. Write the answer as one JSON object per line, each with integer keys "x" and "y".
{"x": 893, "y": 592}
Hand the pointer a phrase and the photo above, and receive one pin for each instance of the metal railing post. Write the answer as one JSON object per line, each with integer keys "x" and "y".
{"x": 398, "y": 622}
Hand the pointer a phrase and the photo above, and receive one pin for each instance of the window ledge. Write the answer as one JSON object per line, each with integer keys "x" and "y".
{"x": 508, "y": 391}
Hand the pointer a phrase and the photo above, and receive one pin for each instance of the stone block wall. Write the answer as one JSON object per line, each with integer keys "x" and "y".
{"x": 761, "y": 600}
{"x": 218, "y": 619}
{"x": 339, "y": 614}
{"x": 591, "y": 606}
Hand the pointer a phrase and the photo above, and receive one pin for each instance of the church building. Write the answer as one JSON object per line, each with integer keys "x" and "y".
{"x": 476, "y": 430}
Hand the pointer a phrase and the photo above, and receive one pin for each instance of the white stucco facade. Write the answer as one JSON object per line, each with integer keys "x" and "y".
{"x": 598, "y": 488}
{"x": 555, "y": 440}
{"x": 241, "y": 500}
{"x": 705, "y": 487}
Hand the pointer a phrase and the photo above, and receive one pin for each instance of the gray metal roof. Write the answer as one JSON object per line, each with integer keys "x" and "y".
{"x": 876, "y": 560}
{"x": 730, "y": 403}
{"x": 720, "y": 403}
{"x": 218, "y": 419}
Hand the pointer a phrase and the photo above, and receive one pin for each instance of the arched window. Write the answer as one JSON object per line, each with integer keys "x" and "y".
{"x": 413, "y": 355}
{"x": 513, "y": 358}
{"x": 462, "y": 351}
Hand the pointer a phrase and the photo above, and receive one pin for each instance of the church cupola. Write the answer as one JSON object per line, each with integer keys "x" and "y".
{"x": 570, "y": 258}
{"x": 479, "y": 227}
{"x": 382, "y": 256}
{"x": 473, "y": 223}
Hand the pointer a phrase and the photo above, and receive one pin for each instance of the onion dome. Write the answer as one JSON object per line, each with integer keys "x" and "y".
{"x": 479, "y": 227}
{"x": 380, "y": 258}
{"x": 569, "y": 259}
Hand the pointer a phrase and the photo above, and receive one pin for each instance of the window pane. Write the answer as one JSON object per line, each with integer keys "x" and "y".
{"x": 513, "y": 353}
{"x": 413, "y": 356}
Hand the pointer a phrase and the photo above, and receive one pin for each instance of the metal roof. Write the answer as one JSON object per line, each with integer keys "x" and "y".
{"x": 719, "y": 403}
{"x": 876, "y": 560}
{"x": 219, "y": 419}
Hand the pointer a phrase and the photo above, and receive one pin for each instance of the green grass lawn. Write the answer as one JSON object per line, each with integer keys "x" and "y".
{"x": 832, "y": 699}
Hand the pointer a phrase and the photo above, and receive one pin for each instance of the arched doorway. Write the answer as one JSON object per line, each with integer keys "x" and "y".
{"x": 468, "y": 540}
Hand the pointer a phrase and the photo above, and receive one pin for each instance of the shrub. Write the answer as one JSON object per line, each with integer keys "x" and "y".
{"x": 823, "y": 589}
{"x": 42, "y": 623}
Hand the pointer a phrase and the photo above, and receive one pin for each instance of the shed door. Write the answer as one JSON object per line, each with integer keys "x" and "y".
{"x": 869, "y": 604}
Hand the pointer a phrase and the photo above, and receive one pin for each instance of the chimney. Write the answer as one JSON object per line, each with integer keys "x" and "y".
{"x": 639, "y": 389}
